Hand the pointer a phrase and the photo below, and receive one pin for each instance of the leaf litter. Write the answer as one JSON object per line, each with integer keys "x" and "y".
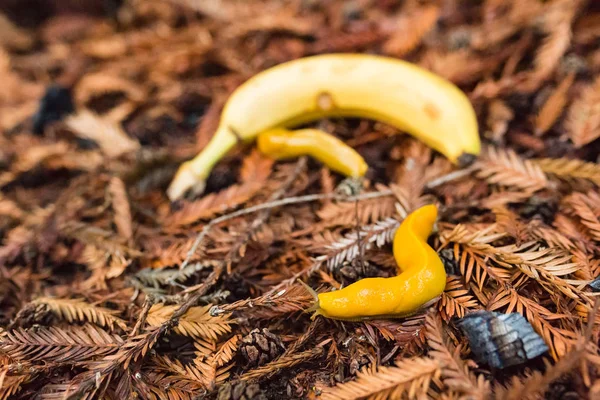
{"x": 109, "y": 291}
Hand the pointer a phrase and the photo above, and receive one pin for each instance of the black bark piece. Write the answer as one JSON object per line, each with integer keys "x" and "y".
{"x": 56, "y": 104}
{"x": 501, "y": 340}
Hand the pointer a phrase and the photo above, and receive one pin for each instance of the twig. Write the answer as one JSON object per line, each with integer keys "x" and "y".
{"x": 273, "y": 204}
{"x": 449, "y": 177}
{"x": 285, "y": 361}
{"x": 304, "y": 338}
{"x": 148, "y": 302}
{"x": 290, "y": 281}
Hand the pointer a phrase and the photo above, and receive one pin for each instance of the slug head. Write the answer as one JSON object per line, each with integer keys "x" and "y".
{"x": 316, "y": 307}
{"x": 422, "y": 220}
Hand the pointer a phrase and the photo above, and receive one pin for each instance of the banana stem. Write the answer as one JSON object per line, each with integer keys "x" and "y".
{"x": 220, "y": 144}
{"x": 192, "y": 174}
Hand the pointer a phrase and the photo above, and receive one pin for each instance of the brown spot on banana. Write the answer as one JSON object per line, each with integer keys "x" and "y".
{"x": 325, "y": 102}
{"x": 432, "y": 111}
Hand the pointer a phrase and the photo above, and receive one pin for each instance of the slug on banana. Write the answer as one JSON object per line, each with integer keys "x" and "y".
{"x": 421, "y": 281}
{"x": 281, "y": 144}
{"x": 385, "y": 89}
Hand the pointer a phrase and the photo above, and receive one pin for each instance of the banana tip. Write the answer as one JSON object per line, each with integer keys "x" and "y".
{"x": 183, "y": 181}
{"x": 466, "y": 159}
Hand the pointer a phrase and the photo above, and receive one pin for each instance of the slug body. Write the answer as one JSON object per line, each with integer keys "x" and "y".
{"x": 337, "y": 155}
{"x": 345, "y": 85}
{"x": 421, "y": 280}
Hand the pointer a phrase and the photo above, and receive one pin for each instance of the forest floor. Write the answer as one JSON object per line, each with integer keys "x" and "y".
{"x": 100, "y": 296}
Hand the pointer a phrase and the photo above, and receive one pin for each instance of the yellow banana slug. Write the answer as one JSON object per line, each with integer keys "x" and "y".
{"x": 337, "y": 155}
{"x": 421, "y": 280}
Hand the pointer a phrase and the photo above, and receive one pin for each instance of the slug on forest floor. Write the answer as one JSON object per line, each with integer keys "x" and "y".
{"x": 421, "y": 281}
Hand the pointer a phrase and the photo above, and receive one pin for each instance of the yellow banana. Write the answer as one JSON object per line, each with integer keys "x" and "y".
{"x": 345, "y": 85}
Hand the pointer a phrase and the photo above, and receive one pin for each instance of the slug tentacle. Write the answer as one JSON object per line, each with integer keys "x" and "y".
{"x": 315, "y": 308}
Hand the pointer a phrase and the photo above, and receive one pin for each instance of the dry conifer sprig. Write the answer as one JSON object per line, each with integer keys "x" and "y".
{"x": 101, "y": 297}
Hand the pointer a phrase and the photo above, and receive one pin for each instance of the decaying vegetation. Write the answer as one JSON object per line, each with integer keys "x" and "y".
{"x": 102, "y": 297}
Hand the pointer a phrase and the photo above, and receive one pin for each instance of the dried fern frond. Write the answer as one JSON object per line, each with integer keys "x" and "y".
{"x": 209, "y": 366}
{"x": 455, "y": 373}
{"x": 544, "y": 265}
{"x": 79, "y": 310}
{"x": 214, "y": 203}
{"x": 157, "y": 386}
{"x": 552, "y": 237}
{"x": 227, "y": 351}
{"x": 570, "y": 169}
{"x": 97, "y": 237}
{"x": 411, "y": 30}
{"x": 409, "y": 378}
{"x": 11, "y": 385}
{"x": 169, "y": 276}
{"x": 281, "y": 363}
{"x": 554, "y": 106}
{"x": 207, "y": 372}
{"x": 405, "y": 332}
{"x": 456, "y": 300}
{"x": 464, "y": 234}
{"x": 504, "y": 167}
{"x": 72, "y": 345}
{"x": 272, "y": 304}
{"x": 549, "y": 54}
{"x": 502, "y": 198}
{"x": 348, "y": 248}
{"x": 576, "y": 232}
{"x": 587, "y": 208}
{"x": 558, "y": 340}
{"x": 583, "y": 119}
{"x": 510, "y": 222}
{"x": 473, "y": 265}
{"x": 196, "y": 322}
{"x": 345, "y": 214}
{"x": 120, "y": 204}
